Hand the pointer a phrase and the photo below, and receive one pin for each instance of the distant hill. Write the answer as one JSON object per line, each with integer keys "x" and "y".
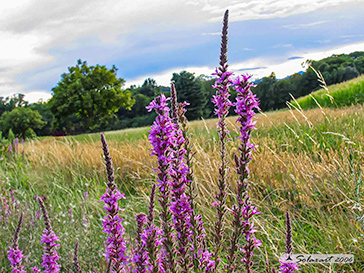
{"x": 274, "y": 93}
{"x": 337, "y": 95}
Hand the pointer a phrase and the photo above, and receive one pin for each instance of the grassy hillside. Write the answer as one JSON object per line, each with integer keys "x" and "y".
{"x": 337, "y": 95}
{"x": 308, "y": 162}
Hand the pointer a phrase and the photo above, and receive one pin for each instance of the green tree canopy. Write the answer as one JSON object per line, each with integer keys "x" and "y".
{"x": 9, "y": 103}
{"x": 22, "y": 121}
{"x": 90, "y": 95}
{"x": 189, "y": 89}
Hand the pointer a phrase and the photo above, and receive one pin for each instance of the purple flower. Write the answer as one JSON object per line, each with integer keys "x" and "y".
{"x": 50, "y": 257}
{"x": 180, "y": 205}
{"x": 140, "y": 255}
{"x": 35, "y": 269}
{"x": 112, "y": 224}
{"x": 222, "y": 106}
{"x": 15, "y": 257}
{"x": 151, "y": 234}
{"x": 49, "y": 239}
{"x": 288, "y": 267}
{"x": 161, "y": 137}
{"x": 243, "y": 210}
{"x": 85, "y": 195}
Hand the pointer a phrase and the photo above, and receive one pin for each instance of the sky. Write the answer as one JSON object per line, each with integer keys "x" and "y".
{"x": 40, "y": 39}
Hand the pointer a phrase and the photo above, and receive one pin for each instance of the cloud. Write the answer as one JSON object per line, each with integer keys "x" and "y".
{"x": 266, "y": 9}
{"x": 294, "y": 58}
{"x": 258, "y": 67}
{"x": 212, "y": 34}
{"x": 42, "y": 37}
{"x": 301, "y": 26}
{"x": 282, "y": 46}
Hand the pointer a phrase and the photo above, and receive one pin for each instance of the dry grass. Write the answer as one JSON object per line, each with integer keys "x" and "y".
{"x": 307, "y": 162}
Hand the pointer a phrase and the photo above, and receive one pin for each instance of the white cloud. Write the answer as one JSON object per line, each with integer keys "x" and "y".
{"x": 30, "y": 30}
{"x": 265, "y": 9}
{"x": 260, "y": 67}
{"x": 301, "y": 26}
{"x": 212, "y": 34}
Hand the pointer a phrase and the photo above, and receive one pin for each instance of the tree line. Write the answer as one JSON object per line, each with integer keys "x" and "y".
{"x": 92, "y": 98}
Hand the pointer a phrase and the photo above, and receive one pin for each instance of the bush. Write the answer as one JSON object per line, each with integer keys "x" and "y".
{"x": 22, "y": 121}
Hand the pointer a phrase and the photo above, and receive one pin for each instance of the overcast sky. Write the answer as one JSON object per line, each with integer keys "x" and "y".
{"x": 40, "y": 39}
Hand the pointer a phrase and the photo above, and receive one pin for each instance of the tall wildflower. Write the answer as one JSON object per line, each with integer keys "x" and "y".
{"x": 201, "y": 257}
{"x": 112, "y": 224}
{"x": 140, "y": 255}
{"x": 180, "y": 205}
{"x": 161, "y": 137}
{"x": 76, "y": 264}
{"x": 222, "y": 106}
{"x": 151, "y": 233}
{"x": 243, "y": 210}
{"x": 288, "y": 267}
{"x": 49, "y": 239}
{"x": 15, "y": 255}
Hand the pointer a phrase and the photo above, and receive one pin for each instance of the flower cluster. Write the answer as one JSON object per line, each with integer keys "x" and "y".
{"x": 49, "y": 239}
{"x": 161, "y": 137}
{"x": 112, "y": 224}
{"x": 50, "y": 258}
{"x": 222, "y": 106}
{"x": 140, "y": 255}
{"x": 288, "y": 267}
{"x": 15, "y": 257}
{"x": 243, "y": 211}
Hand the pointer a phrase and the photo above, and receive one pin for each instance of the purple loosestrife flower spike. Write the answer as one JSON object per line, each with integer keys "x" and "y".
{"x": 288, "y": 267}
{"x": 222, "y": 105}
{"x": 289, "y": 247}
{"x": 151, "y": 235}
{"x": 112, "y": 224}
{"x": 243, "y": 210}
{"x": 35, "y": 269}
{"x": 161, "y": 137}
{"x": 49, "y": 239}
{"x": 15, "y": 255}
{"x": 201, "y": 257}
{"x": 140, "y": 255}
{"x": 76, "y": 264}
{"x": 180, "y": 205}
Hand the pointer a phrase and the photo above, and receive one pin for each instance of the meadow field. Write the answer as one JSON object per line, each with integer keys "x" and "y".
{"x": 335, "y": 96}
{"x": 308, "y": 162}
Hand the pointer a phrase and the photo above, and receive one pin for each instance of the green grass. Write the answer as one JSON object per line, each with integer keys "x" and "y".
{"x": 338, "y": 95}
{"x": 309, "y": 162}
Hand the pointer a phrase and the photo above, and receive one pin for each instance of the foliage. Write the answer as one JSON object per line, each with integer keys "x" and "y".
{"x": 340, "y": 95}
{"x": 92, "y": 94}
{"x": 22, "y": 121}
{"x": 7, "y": 104}
{"x": 274, "y": 93}
{"x": 47, "y": 117}
{"x": 189, "y": 90}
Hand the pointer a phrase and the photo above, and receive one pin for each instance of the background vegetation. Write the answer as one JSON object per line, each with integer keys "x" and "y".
{"x": 92, "y": 98}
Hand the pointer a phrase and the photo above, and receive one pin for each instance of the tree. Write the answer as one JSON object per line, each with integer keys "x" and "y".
{"x": 189, "y": 89}
{"x": 92, "y": 94}
{"x": 22, "y": 121}
{"x": 8, "y": 104}
{"x": 47, "y": 117}
{"x": 149, "y": 88}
